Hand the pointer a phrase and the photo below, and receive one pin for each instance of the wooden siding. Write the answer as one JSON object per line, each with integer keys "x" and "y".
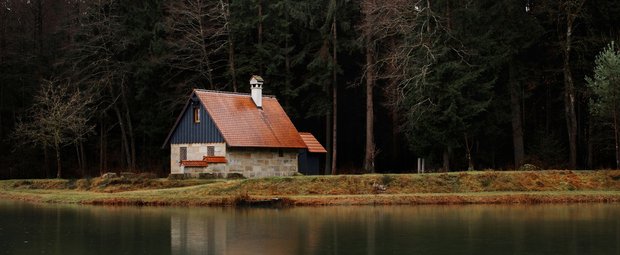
{"x": 189, "y": 132}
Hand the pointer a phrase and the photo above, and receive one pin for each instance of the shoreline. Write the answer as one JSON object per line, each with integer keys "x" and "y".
{"x": 332, "y": 200}
{"x": 484, "y": 187}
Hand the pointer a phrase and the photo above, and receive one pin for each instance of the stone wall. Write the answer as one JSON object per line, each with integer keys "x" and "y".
{"x": 250, "y": 162}
{"x": 195, "y": 151}
{"x": 256, "y": 162}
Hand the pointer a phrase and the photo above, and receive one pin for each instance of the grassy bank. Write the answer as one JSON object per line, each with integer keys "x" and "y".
{"x": 443, "y": 188}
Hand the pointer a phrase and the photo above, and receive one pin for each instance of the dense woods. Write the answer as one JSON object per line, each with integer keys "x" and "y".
{"x": 94, "y": 86}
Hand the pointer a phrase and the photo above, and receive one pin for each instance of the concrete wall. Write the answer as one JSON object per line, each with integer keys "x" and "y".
{"x": 250, "y": 162}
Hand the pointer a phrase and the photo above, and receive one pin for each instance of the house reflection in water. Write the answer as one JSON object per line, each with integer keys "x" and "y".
{"x": 197, "y": 235}
{"x": 243, "y": 231}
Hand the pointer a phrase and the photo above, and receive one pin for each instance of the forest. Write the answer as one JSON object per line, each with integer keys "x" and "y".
{"x": 93, "y": 86}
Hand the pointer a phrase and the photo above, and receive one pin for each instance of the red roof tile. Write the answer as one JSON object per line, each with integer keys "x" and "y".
{"x": 196, "y": 163}
{"x": 313, "y": 145}
{"x": 214, "y": 159}
{"x": 244, "y": 125}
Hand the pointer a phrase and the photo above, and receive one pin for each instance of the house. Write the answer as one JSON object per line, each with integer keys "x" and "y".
{"x": 236, "y": 133}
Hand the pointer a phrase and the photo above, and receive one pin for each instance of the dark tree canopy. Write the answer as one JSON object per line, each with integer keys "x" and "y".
{"x": 466, "y": 85}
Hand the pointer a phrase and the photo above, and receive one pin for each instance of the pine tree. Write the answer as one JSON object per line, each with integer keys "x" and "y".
{"x": 605, "y": 87}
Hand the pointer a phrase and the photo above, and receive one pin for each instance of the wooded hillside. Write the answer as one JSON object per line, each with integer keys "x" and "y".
{"x": 95, "y": 86}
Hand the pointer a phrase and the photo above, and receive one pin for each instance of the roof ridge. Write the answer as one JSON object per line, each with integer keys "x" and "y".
{"x": 229, "y": 92}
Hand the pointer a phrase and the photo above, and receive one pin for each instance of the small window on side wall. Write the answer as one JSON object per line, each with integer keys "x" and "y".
{"x": 210, "y": 151}
{"x": 196, "y": 114}
{"x": 280, "y": 153}
{"x": 183, "y": 153}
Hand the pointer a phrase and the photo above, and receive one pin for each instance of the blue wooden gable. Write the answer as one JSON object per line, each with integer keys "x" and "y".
{"x": 187, "y": 131}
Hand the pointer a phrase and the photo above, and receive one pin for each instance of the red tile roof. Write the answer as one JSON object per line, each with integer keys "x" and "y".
{"x": 242, "y": 124}
{"x": 196, "y": 163}
{"x": 313, "y": 145}
{"x": 214, "y": 159}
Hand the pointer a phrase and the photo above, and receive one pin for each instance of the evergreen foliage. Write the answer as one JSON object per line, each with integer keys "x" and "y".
{"x": 459, "y": 83}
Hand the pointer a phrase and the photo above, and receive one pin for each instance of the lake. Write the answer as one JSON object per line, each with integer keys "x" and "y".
{"x": 27, "y": 228}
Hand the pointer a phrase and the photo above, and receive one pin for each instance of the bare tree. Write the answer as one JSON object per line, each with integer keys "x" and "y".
{"x": 411, "y": 29}
{"x": 370, "y": 15}
{"x": 571, "y": 10}
{"x": 197, "y": 31}
{"x": 94, "y": 61}
{"x": 59, "y": 117}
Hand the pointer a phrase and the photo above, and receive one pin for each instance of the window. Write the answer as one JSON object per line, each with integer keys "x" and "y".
{"x": 196, "y": 114}
{"x": 210, "y": 150}
{"x": 280, "y": 153}
{"x": 183, "y": 153}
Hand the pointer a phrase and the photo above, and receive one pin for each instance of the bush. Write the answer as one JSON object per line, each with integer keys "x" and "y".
{"x": 128, "y": 175}
{"x": 387, "y": 179}
{"x": 109, "y": 175}
{"x": 235, "y": 176}
{"x": 179, "y": 176}
{"x": 206, "y": 176}
{"x": 147, "y": 176}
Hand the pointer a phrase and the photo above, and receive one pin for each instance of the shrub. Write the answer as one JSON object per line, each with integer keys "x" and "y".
{"x": 387, "y": 179}
{"x": 206, "y": 176}
{"x": 128, "y": 175}
{"x": 147, "y": 176}
{"x": 179, "y": 176}
{"x": 235, "y": 176}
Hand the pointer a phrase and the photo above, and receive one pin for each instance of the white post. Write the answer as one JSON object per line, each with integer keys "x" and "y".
{"x": 419, "y": 164}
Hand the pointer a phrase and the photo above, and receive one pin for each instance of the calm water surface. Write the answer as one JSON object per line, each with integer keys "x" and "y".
{"x": 474, "y": 229}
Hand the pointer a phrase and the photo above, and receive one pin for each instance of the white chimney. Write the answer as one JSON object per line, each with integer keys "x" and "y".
{"x": 256, "y": 85}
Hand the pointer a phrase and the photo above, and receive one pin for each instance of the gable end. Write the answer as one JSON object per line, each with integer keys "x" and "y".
{"x": 188, "y": 130}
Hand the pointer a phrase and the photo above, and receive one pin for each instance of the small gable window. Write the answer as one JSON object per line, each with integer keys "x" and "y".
{"x": 196, "y": 114}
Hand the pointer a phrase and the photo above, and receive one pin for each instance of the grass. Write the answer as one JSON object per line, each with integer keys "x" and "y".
{"x": 437, "y": 188}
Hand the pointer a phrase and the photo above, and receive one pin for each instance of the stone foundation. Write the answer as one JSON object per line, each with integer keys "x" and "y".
{"x": 256, "y": 163}
{"x": 250, "y": 162}
{"x": 195, "y": 151}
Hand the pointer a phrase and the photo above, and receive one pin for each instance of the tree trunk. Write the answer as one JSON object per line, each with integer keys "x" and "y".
{"x": 470, "y": 160}
{"x": 615, "y": 113}
{"x": 569, "y": 86}
{"x": 231, "y": 63}
{"x": 287, "y": 62}
{"x": 58, "y": 163}
{"x": 79, "y": 160}
{"x": 1, "y": 94}
{"x": 132, "y": 143}
{"x": 569, "y": 103}
{"x": 392, "y": 96}
{"x": 124, "y": 141}
{"x": 39, "y": 26}
{"x": 590, "y": 144}
{"x": 369, "y": 159}
{"x": 446, "y": 159}
{"x": 231, "y": 49}
{"x": 46, "y": 163}
{"x": 83, "y": 157}
{"x": 328, "y": 142}
{"x": 515, "y": 108}
{"x": 101, "y": 147}
{"x": 334, "y": 96}
{"x": 260, "y": 34}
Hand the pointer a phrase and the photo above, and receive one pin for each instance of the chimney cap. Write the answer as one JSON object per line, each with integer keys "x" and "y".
{"x": 256, "y": 80}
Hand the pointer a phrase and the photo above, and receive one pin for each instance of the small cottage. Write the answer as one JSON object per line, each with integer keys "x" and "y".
{"x": 249, "y": 134}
